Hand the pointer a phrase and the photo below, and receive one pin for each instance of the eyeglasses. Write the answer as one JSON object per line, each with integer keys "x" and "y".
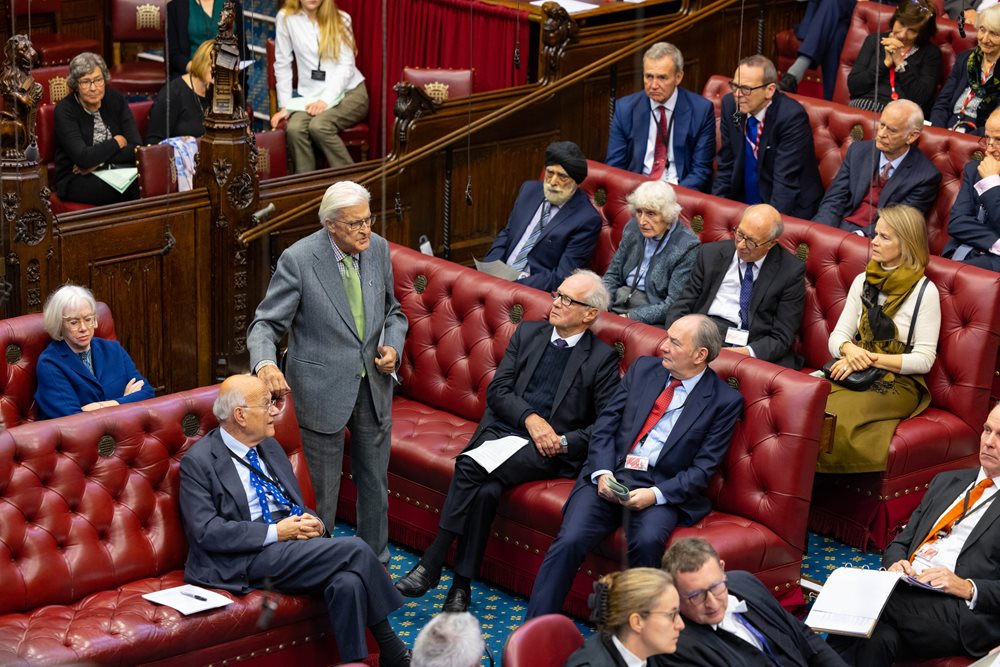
{"x": 987, "y": 141}
{"x": 717, "y": 589}
{"x": 646, "y": 213}
{"x": 273, "y": 403}
{"x": 745, "y": 90}
{"x": 559, "y": 177}
{"x": 749, "y": 242}
{"x": 669, "y": 615}
{"x": 90, "y": 83}
{"x": 355, "y": 225}
{"x": 568, "y": 300}
{"x": 90, "y": 321}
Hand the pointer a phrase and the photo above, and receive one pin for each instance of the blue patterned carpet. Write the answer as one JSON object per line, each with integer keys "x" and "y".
{"x": 500, "y": 612}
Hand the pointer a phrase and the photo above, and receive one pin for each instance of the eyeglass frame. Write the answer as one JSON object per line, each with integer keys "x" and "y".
{"x": 91, "y": 83}
{"x": 745, "y": 90}
{"x": 751, "y": 245}
{"x": 273, "y": 403}
{"x": 564, "y": 298}
{"x": 356, "y": 225}
{"x": 89, "y": 320}
{"x": 699, "y": 597}
{"x": 986, "y": 141}
{"x": 670, "y": 615}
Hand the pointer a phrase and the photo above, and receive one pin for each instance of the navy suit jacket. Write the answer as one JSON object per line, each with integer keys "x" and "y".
{"x": 793, "y": 641}
{"x": 915, "y": 183}
{"x": 965, "y": 225}
{"x": 787, "y": 172}
{"x": 566, "y": 243}
{"x": 696, "y": 445}
{"x": 65, "y": 384}
{"x": 222, "y": 540}
{"x": 942, "y": 113}
{"x": 694, "y": 137}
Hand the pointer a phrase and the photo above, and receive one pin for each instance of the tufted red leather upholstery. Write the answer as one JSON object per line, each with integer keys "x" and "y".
{"x": 545, "y": 641}
{"x": 22, "y": 340}
{"x": 84, "y": 535}
{"x": 460, "y": 322}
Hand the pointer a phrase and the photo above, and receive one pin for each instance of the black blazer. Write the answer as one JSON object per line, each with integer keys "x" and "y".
{"x": 917, "y": 82}
{"x": 794, "y": 643}
{"x": 776, "y": 305}
{"x": 178, "y": 13}
{"x": 942, "y": 114}
{"x": 597, "y": 651}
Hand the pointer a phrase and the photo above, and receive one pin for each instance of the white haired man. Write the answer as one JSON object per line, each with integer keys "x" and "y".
{"x": 449, "y": 640}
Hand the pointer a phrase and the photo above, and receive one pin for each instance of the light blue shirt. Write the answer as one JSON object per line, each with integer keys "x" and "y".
{"x": 240, "y": 450}
{"x": 882, "y": 159}
{"x": 649, "y": 251}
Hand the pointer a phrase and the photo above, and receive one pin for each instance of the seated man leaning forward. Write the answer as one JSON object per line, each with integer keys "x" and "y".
{"x": 751, "y": 287}
{"x": 553, "y": 227}
{"x": 950, "y": 543}
{"x": 661, "y": 437}
{"x": 551, "y": 384}
{"x": 731, "y": 619}
{"x": 247, "y": 527}
{"x": 79, "y": 372}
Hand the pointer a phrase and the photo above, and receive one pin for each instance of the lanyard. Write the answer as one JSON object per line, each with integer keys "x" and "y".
{"x": 665, "y": 138}
{"x": 639, "y": 273}
{"x": 984, "y": 76}
{"x": 260, "y": 473}
{"x": 966, "y": 512}
{"x": 755, "y": 145}
{"x": 892, "y": 76}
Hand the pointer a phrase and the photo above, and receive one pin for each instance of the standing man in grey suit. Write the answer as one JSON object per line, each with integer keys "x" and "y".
{"x": 345, "y": 335}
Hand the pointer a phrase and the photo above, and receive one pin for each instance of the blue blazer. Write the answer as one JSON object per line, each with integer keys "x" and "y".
{"x": 975, "y": 220}
{"x": 786, "y": 165}
{"x": 65, "y": 384}
{"x": 693, "y": 130}
{"x": 696, "y": 446}
{"x": 566, "y": 243}
{"x": 942, "y": 113}
{"x": 915, "y": 183}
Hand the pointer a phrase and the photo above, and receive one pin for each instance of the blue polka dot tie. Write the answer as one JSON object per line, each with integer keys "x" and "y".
{"x": 746, "y": 292}
{"x": 262, "y": 487}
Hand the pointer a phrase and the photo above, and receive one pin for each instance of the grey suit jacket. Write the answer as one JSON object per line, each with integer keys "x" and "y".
{"x": 668, "y": 270}
{"x": 306, "y": 300}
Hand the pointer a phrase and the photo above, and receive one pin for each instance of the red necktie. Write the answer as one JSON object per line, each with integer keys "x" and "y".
{"x": 659, "y": 408}
{"x": 960, "y": 507}
{"x": 660, "y": 145}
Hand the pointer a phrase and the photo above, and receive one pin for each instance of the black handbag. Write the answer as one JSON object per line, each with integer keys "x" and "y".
{"x": 862, "y": 380}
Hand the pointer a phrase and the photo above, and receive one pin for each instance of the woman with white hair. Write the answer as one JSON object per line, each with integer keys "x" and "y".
{"x": 972, "y": 91}
{"x": 655, "y": 257}
{"x": 78, "y": 372}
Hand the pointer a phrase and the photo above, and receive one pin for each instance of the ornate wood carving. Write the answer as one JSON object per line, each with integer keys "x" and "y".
{"x": 559, "y": 30}
{"x": 21, "y": 95}
{"x": 411, "y": 103}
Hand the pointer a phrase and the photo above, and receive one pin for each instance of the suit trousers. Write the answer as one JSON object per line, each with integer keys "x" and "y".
{"x": 324, "y": 130}
{"x": 356, "y": 587}
{"x": 369, "y": 467}
{"x": 986, "y": 260}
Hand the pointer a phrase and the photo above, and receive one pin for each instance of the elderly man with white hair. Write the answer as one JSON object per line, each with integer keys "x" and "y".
{"x": 449, "y": 640}
{"x": 332, "y": 294}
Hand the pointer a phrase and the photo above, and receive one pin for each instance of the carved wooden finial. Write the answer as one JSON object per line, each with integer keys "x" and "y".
{"x": 559, "y": 30}
{"x": 21, "y": 97}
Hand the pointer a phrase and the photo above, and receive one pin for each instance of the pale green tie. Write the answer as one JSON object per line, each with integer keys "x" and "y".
{"x": 352, "y": 285}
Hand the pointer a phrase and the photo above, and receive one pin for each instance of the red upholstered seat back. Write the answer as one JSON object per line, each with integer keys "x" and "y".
{"x": 457, "y": 82}
{"x": 138, "y": 20}
{"x": 607, "y": 188}
{"x": 22, "y": 340}
{"x": 53, "y": 82}
{"x": 45, "y": 130}
{"x": 157, "y": 170}
{"x": 89, "y": 502}
{"x": 545, "y": 641}
{"x": 272, "y": 160}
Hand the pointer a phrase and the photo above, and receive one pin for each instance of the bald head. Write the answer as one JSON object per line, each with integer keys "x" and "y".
{"x": 244, "y": 409}
{"x": 758, "y": 231}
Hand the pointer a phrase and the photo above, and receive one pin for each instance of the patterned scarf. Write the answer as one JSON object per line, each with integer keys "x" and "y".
{"x": 988, "y": 91}
{"x": 877, "y": 330}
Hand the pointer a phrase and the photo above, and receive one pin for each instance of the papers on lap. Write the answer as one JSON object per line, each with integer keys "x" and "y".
{"x": 119, "y": 178}
{"x": 498, "y": 269}
{"x": 188, "y": 599}
{"x": 492, "y": 453}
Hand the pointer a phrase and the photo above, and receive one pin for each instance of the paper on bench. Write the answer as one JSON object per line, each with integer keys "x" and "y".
{"x": 175, "y": 597}
{"x": 571, "y": 6}
{"x": 497, "y": 269}
{"x": 851, "y": 601}
{"x": 119, "y": 178}
{"x": 492, "y": 453}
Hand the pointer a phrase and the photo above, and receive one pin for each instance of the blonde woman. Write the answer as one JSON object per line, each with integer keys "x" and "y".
{"x": 185, "y": 97}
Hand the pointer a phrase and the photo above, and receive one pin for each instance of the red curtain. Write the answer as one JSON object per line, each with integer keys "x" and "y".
{"x": 433, "y": 33}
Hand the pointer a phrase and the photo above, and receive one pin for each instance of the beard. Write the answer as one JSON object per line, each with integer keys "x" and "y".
{"x": 558, "y": 195}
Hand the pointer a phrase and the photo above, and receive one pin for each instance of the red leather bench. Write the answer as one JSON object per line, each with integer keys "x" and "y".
{"x": 460, "y": 322}
{"x": 89, "y": 521}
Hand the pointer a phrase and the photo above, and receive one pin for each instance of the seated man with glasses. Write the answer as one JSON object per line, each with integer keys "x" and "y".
{"x": 553, "y": 227}
{"x": 767, "y": 154}
{"x": 78, "y": 372}
{"x": 751, "y": 287}
{"x": 974, "y": 225}
{"x": 731, "y": 619}
{"x": 553, "y": 381}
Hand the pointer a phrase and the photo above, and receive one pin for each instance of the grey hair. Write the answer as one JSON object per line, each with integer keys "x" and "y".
{"x": 989, "y": 18}
{"x": 665, "y": 50}
{"x": 688, "y": 554}
{"x": 341, "y": 195}
{"x": 757, "y": 60}
{"x": 914, "y": 114}
{"x": 598, "y": 296}
{"x": 658, "y": 196}
{"x": 84, "y": 64}
{"x": 449, "y": 640}
{"x": 227, "y": 401}
{"x": 67, "y": 296}
{"x": 707, "y": 335}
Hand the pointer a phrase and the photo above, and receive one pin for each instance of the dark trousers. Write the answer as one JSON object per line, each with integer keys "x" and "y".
{"x": 823, "y": 31}
{"x": 89, "y": 189}
{"x": 986, "y": 260}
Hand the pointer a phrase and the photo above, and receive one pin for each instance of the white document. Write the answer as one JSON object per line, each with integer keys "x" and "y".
{"x": 381, "y": 342}
{"x": 851, "y": 601}
{"x": 120, "y": 178}
{"x": 492, "y": 453}
{"x": 498, "y": 269}
{"x": 987, "y": 661}
{"x": 188, "y": 599}
{"x": 300, "y": 103}
{"x": 571, "y": 6}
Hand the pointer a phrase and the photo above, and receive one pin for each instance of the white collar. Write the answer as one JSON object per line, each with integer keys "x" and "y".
{"x": 670, "y": 103}
{"x": 631, "y": 659}
{"x": 570, "y": 342}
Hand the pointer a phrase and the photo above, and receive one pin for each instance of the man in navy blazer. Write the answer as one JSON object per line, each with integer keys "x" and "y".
{"x": 553, "y": 227}
{"x": 247, "y": 527}
{"x": 974, "y": 225}
{"x": 662, "y": 435}
{"x": 689, "y": 120}
{"x": 860, "y": 189}
{"x": 786, "y": 174}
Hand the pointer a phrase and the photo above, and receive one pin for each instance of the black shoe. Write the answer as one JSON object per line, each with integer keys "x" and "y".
{"x": 405, "y": 662}
{"x": 418, "y": 582}
{"x": 788, "y": 83}
{"x": 458, "y": 600}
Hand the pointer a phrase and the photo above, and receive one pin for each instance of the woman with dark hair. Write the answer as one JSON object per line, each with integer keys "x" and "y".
{"x": 972, "y": 90}
{"x": 903, "y": 62}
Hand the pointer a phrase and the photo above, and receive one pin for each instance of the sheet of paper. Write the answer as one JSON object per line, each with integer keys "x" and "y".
{"x": 571, "y": 6}
{"x": 987, "y": 661}
{"x": 497, "y": 269}
{"x": 381, "y": 342}
{"x": 300, "y": 103}
{"x": 185, "y": 599}
{"x": 492, "y": 453}
{"x": 851, "y": 601}
{"x": 119, "y": 178}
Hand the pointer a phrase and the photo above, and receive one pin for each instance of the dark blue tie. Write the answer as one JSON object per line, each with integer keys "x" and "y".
{"x": 262, "y": 487}
{"x": 751, "y": 186}
{"x": 759, "y": 636}
{"x": 746, "y": 291}
{"x": 559, "y": 342}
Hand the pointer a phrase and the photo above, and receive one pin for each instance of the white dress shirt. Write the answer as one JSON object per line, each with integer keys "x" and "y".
{"x": 553, "y": 209}
{"x": 240, "y": 450}
{"x": 297, "y": 34}
{"x": 731, "y": 624}
{"x": 670, "y": 173}
{"x": 727, "y": 300}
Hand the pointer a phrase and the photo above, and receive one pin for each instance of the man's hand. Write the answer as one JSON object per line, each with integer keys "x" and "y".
{"x": 303, "y": 527}
{"x": 275, "y": 380}
{"x": 277, "y": 118}
{"x": 316, "y": 108}
{"x": 990, "y": 166}
{"x": 745, "y": 351}
{"x": 640, "y": 499}
{"x": 385, "y": 362}
{"x": 947, "y": 581}
{"x": 604, "y": 491}
{"x": 133, "y": 386}
{"x": 545, "y": 439}
{"x": 902, "y": 566}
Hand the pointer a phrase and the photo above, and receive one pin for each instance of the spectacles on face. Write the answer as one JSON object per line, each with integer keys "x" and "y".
{"x": 669, "y": 615}
{"x": 355, "y": 225}
{"x": 988, "y": 141}
{"x": 91, "y": 83}
{"x": 568, "y": 300}
{"x": 745, "y": 90}
{"x": 558, "y": 177}
{"x": 718, "y": 589}
{"x": 90, "y": 321}
{"x": 747, "y": 241}
{"x": 273, "y": 403}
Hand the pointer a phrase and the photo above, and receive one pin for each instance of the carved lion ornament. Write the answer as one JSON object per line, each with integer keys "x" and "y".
{"x": 21, "y": 96}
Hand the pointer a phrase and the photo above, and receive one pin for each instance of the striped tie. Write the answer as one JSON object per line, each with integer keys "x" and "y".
{"x": 522, "y": 257}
